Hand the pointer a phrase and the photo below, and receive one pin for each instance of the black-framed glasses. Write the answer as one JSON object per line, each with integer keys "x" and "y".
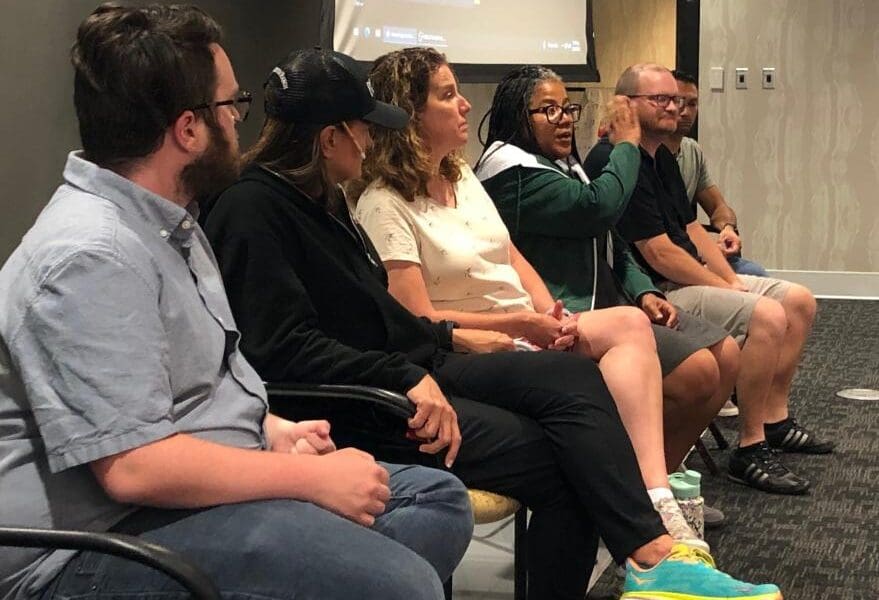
{"x": 662, "y": 100}
{"x": 554, "y": 112}
{"x": 241, "y": 103}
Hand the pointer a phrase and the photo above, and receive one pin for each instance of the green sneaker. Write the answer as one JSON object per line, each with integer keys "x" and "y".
{"x": 689, "y": 574}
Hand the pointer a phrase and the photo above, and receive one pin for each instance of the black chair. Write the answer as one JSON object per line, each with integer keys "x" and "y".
{"x": 152, "y": 555}
{"x": 356, "y": 412}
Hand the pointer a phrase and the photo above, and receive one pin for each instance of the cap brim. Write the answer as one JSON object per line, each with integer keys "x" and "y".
{"x": 387, "y": 115}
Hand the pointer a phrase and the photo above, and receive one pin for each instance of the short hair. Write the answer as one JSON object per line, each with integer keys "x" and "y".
{"x": 508, "y": 118}
{"x": 685, "y": 77}
{"x": 136, "y": 70}
{"x": 627, "y": 84}
{"x": 400, "y": 158}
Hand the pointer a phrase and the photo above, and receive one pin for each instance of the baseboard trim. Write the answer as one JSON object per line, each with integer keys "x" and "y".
{"x": 850, "y": 285}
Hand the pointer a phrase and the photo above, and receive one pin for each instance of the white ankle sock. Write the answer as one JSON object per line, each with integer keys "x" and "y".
{"x": 658, "y": 493}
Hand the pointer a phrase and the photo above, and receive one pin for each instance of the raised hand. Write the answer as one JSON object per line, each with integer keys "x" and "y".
{"x": 622, "y": 122}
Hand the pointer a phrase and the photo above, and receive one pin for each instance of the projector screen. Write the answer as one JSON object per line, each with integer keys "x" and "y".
{"x": 483, "y": 39}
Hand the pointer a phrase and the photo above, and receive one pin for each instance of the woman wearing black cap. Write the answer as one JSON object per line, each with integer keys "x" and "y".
{"x": 309, "y": 295}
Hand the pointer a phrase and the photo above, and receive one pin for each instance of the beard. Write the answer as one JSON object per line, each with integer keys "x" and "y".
{"x": 684, "y": 127}
{"x": 216, "y": 169}
{"x": 658, "y": 128}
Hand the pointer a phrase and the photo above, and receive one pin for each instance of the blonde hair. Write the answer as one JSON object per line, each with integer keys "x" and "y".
{"x": 628, "y": 82}
{"x": 401, "y": 159}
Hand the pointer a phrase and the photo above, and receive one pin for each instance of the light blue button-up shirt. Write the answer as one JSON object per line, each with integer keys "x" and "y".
{"x": 115, "y": 332}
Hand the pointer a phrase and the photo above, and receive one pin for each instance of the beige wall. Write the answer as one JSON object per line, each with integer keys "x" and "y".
{"x": 800, "y": 164}
{"x": 627, "y": 32}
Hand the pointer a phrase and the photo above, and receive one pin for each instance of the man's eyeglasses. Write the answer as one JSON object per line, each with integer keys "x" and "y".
{"x": 554, "y": 112}
{"x": 241, "y": 104}
{"x": 662, "y": 100}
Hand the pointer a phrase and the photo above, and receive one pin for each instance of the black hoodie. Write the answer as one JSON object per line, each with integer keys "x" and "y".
{"x": 309, "y": 292}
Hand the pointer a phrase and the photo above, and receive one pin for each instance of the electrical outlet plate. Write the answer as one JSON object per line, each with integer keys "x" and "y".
{"x": 741, "y": 78}
{"x": 768, "y": 78}
{"x": 715, "y": 79}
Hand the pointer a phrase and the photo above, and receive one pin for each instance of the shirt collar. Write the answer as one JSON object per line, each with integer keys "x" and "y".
{"x": 169, "y": 220}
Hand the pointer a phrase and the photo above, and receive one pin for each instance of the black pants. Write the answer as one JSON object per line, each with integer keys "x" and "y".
{"x": 540, "y": 427}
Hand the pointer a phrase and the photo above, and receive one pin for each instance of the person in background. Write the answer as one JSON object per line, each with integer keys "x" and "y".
{"x": 430, "y": 218}
{"x": 770, "y": 318}
{"x": 701, "y": 189}
{"x": 125, "y": 402}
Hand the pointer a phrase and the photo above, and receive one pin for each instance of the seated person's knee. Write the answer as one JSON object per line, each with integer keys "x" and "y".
{"x": 632, "y": 322}
{"x": 768, "y": 319}
{"x": 800, "y": 300}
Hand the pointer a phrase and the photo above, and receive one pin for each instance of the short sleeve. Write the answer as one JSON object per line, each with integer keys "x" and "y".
{"x": 91, "y": 352}
{"x": 385, "y": 222}
{"x": 705, "y": 180}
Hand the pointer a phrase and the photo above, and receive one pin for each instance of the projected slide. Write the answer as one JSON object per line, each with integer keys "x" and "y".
{"x": 467, "y": 31}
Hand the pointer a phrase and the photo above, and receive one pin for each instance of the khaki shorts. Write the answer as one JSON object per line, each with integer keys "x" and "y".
{"x": 728, "y": 309}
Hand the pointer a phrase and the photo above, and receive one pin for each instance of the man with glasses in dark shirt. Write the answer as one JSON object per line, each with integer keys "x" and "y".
{"x": 770, "y": 318}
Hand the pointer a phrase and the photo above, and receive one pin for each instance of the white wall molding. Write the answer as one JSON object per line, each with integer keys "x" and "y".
{"x": 852, "y": 285}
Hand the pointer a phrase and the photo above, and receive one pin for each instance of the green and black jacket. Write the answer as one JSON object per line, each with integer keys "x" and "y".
{"x": 562, "y": 224}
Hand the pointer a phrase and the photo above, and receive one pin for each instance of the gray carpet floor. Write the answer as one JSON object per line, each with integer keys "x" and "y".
{"x": 824, "y": 545}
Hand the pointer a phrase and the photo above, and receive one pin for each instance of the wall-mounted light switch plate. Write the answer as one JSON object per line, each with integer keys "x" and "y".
{"x": 715, "y": 79}
{"x": 741, "y": 78}
{"x": 768, "y": 78}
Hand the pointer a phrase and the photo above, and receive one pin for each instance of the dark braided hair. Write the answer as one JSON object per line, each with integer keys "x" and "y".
{"x": 509, "y": 121}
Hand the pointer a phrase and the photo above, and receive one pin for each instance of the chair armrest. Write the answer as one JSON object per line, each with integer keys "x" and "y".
{"x": 391, "y": 402}
{"x": 126, "y": 546}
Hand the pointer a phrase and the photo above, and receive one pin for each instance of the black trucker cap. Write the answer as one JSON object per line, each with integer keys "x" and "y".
{"x": 325, "y": 87}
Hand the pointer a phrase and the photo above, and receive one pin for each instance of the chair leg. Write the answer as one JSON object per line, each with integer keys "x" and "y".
{"x": 722, "y": 444}
{"x": 447, "y": 588}
{"x": 520, "y": 556}
{"x": 707, "y": 458}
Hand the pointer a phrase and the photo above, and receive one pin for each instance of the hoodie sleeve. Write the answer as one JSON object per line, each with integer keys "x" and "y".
{"x": 547, "y": 202}
{"x": 634, "y": 280}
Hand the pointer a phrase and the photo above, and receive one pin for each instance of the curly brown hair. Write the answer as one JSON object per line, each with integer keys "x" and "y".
{"x": 401, "y": 159}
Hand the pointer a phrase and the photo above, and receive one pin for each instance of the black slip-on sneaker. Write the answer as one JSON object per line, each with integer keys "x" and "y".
{"x": 790, "y": 436}
{"x": 760, "y": 468}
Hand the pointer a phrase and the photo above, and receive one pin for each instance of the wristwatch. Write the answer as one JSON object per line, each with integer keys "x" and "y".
{"x": 733, "y": 225}
{"x": 450, "y": 325}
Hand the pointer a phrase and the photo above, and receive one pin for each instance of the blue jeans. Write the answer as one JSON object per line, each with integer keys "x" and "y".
{"x": 743, "y": 266}
{"x": 295, "y": 550}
